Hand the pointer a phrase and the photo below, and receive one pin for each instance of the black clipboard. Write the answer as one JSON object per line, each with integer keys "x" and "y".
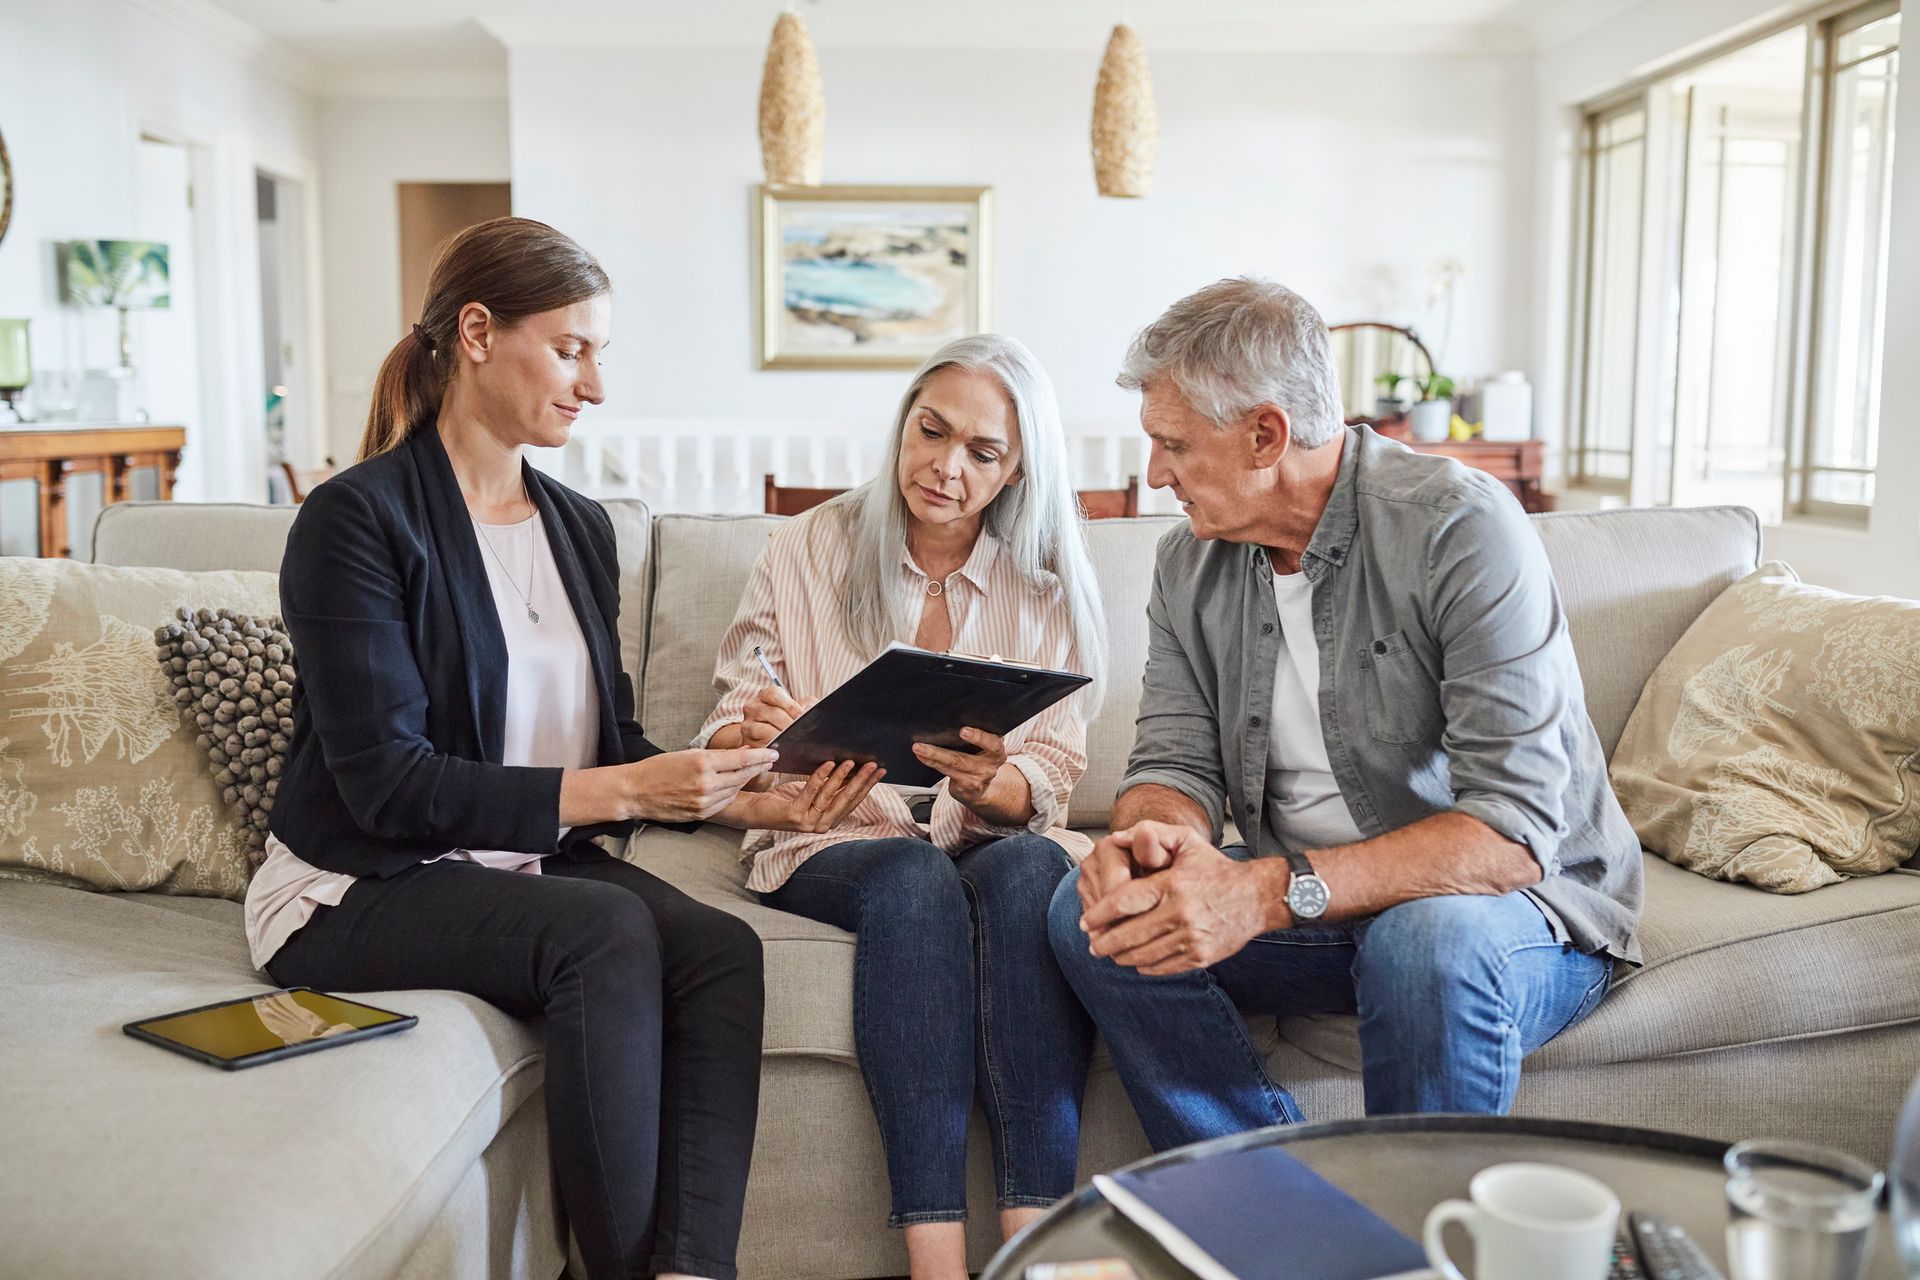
{"x": 910, "y": 695}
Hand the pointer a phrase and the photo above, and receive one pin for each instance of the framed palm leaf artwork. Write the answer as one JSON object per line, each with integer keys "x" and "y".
{"x": 115, "y": 273}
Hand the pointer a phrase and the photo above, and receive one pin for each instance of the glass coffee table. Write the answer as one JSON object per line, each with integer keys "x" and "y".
{"x": 1401, "y": 1166}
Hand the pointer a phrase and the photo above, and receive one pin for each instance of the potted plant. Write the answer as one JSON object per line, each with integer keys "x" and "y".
{"x": 1432, "y": 415}
{"x": 1388, "y": 403}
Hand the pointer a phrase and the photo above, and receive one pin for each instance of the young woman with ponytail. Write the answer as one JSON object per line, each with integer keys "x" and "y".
{"x": 463, "y": 731}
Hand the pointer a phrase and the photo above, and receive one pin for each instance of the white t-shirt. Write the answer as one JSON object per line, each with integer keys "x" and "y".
{"x": 1304, "y": 809}
{"x": 551, "y": 723}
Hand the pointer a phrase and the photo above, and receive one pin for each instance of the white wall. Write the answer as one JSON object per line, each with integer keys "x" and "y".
{"x": 82, "y": 80}
{"x": 1883, "y": 557}
{"x": 1343, "y": 176}
{"x": 368, "y": 145}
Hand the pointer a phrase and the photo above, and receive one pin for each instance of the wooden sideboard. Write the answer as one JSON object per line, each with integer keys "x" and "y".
{"x": 1515, "y": 463}
{"x": 49, "y": 454}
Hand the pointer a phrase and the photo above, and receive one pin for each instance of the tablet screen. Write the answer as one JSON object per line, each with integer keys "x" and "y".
{"x": 273, "y": 1020}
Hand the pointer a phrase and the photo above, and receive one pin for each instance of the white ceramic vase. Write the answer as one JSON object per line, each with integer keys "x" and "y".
{"x": 1429, "y": 419}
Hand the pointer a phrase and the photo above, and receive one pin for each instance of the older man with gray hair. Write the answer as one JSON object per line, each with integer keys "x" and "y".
{"x": 1357, "y": 653}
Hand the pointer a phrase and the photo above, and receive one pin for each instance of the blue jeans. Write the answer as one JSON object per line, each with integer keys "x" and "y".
{"x": 955, "y": 993}
{"x": 1452, "y": 993}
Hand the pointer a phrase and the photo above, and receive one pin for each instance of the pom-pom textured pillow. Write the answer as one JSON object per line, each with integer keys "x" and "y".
{"x": 232, "y": 678}
{"x": 1777, "y": 743}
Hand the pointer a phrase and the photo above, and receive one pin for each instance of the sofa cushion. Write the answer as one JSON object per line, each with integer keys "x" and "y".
{"x": 633, "y": 540}
{"x": 1778, "y": 743}
{"x": 1123, "y": 555}
{"x": 1632, "y": 582}
{"x": 124, "y": 1159}
{"x": 701, "y": 564}
{"x": 1729, "y": 965}
{"x": 100, "y": 784}
{"x": 809, "y": 964}
{"x": 192, "y": 535}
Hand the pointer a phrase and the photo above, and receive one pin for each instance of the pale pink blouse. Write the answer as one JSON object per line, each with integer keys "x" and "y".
{"x": 791, "y": 608}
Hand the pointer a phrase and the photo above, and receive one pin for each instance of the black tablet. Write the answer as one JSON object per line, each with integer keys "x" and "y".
{"x": 261, "y": 1028}
{"x": 908, "y": 695}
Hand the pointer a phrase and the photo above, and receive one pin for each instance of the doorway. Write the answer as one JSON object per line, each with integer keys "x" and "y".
{"x": 431, "y": 213}
{"x": 288, "y": 368}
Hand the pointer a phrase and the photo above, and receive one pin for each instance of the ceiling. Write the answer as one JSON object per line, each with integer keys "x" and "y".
{"x": 329, "y": 44}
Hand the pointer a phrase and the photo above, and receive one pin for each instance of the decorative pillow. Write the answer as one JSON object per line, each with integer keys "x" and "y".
{"x": 232, "y": 677}
{"x": 1778, "y": 742}
{"x": 100, "y": 788}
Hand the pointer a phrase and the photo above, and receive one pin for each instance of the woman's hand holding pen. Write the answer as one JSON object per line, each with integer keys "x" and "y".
{"x": 768, "y": 714}
{"x": 983, "y": 780}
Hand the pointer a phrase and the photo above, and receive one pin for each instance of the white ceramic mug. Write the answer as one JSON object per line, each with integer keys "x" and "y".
{"x": 1530, "y": 1222}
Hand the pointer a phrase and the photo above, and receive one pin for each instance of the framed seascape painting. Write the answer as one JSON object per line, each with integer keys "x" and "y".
{"x": 871, "y": 277}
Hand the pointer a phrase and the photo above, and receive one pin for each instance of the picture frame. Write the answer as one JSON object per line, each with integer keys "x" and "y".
{"x": 870, "y": 277}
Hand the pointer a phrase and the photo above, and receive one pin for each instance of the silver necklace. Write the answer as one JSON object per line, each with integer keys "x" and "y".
{"x": 526, "y": 595}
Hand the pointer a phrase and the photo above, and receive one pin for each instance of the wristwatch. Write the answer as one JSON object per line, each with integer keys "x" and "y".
{"x": 1307, "y": 895}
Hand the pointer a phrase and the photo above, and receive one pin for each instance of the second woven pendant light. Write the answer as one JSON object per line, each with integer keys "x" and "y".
{"x": 793, "y": 108}
{"x": 1126, "y": 128}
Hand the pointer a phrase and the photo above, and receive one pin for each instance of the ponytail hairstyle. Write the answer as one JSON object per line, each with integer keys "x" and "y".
{"x": 515, "y": 268}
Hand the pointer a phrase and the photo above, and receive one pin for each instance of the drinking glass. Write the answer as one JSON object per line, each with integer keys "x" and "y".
{"x": 1906, "y": 1184}
{"x": 1799, "y": 1212}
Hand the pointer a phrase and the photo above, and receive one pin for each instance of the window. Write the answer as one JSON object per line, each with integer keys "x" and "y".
{"x": 1618, "y": 169}
{"x": 1844, "y": 409}
{"x": 1732, "y": 298}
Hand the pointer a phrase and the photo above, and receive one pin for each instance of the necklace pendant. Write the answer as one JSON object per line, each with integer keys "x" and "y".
{"x": 531, "y": 615}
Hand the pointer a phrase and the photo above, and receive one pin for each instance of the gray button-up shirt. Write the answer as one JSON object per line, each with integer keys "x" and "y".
{"x": 1447, "y": 681}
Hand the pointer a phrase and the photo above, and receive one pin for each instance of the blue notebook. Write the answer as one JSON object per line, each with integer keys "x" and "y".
{"x": 1260, "y": 1214}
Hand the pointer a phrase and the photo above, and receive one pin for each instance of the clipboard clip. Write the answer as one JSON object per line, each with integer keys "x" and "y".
{"x": 993, "y": 657}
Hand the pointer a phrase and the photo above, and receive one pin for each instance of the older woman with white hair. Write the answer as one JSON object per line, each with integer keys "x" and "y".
{"x": 969, "y": 539}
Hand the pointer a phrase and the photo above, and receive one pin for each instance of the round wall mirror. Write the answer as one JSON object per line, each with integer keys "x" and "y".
{"x": 1378, "y": 363}
{"x": 6, "y": 188}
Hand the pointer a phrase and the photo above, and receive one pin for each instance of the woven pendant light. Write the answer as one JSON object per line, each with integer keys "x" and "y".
{"x": 793, "y": 109}
{"x": 1126, "y": 128}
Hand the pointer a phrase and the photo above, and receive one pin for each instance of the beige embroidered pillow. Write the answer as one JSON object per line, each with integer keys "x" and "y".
{"x": 1778, "y": 742}
{"x": 100, "y": 785}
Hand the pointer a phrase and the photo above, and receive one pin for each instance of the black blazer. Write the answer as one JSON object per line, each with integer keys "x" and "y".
{"x": 400, "y": 706}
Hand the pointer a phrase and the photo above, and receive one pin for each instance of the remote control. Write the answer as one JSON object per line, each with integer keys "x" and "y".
{"x": 1623, "y": 1263}
{"x": 1667, "y": 1252}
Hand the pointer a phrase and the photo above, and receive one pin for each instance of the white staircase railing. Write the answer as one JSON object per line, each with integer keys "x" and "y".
{"x": 720, "y": 464}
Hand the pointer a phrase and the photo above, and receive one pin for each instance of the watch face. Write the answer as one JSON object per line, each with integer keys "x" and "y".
{"x": 1307, "y": 897}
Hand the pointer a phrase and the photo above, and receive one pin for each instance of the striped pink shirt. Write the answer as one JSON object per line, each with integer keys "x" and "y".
{"x": 792, "y": 609}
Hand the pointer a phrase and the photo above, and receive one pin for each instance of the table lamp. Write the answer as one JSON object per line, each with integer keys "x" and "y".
{"x": 16, "y": 368}
{"x": 126, "y": 275}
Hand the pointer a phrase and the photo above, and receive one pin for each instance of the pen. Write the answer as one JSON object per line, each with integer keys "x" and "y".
{"x": 761, "y": 656}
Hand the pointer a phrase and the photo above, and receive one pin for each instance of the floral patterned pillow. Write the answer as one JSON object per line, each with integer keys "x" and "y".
{"x": 100, "y": 785}
{"x": 1779, "y": 742}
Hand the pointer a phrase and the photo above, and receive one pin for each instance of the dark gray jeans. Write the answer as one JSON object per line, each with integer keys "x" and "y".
{"x": 651, "y": 1100}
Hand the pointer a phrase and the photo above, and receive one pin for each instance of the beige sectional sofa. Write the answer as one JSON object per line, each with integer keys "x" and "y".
{"x": 424, "y": 1154}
